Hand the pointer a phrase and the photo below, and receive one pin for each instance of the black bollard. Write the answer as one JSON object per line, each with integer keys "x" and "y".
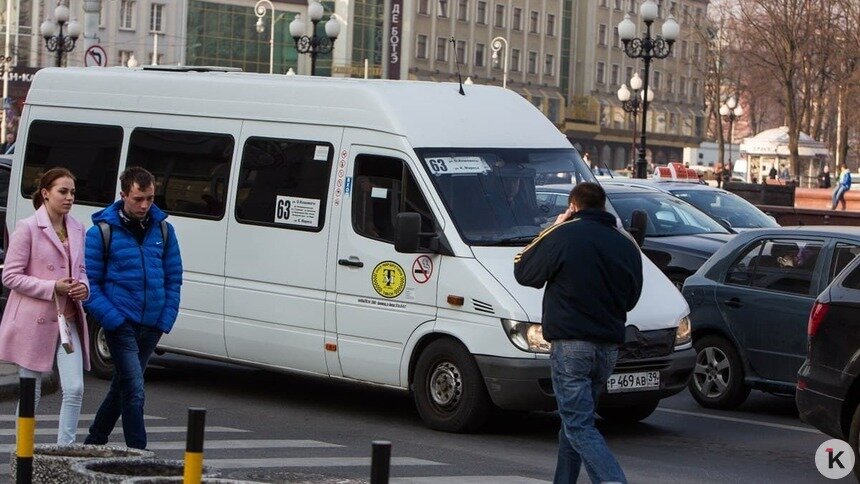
{"x": 26, "y": 429}
{"x": 380, "y": 462}
{"x": 193, "y": 472}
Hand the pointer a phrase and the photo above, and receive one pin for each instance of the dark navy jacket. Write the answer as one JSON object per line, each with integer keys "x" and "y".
{"x": 141, "y": 281}
{"x": 593, "y": 277}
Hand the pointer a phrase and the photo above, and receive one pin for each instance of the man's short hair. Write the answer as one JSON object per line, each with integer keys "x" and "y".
{"x": 587, "y": 195}
{"x": 135, "y": 174}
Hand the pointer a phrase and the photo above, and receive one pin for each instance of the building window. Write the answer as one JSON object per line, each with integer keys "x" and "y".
{"x": 658, "y": 78}
{"x": 421, "y": 47}
{"x": 604, "y": 3}
{"x": 515, "y": 60}
{"x": 686, "y": 14}
{"x": 631, "y": 9}
{"x": 424, "y": 7}
{"x": 616, "y": 38}
{"x": 684, "y": 49}
{"x": 156, "y": 17}
{"x": 461, "y": 51}
{"x": 443, "y": 8}
{"x": 532, "y": 62}
{"x": 670, "y": 83}
{"x": 697, "y": 52}
{"x": 463, "y": 10}
{"x": 601, "y": 34}
{"x": 157, "y": 61}
{"x": 550, "y": 24}
{"x": 549, "y": 65}
{"x": 102, "y": 14}
{"x": 481, "y": 15}
{"x": 616, "y": 72}
{"x": 618, "y": 4}
{"x": 673, "y": 8}
{"x": 534, "y": 19}
{"x": 124, "y": 56}
{"x": 601, "y": 73}
{"x": 695, "y": 88}
{"x": 517, "y": 21}
{"x": 126, "y": 14}
{"x": 441, "y": 48}
{"x": 479, "y": 55}
{"x": 628, "y": 72}
{"x": 500, "y": 16}
{"x": 682, "y": 88}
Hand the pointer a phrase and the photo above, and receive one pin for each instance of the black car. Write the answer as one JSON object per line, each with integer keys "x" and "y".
{"x": 679, "y": 238}
{"x": 828, "y": 383}
{"x": 5, "y": 172}
{"x": 749, "y": 308}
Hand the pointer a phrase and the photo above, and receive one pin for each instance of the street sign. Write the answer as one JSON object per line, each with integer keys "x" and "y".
{"x": 95, "y": 57}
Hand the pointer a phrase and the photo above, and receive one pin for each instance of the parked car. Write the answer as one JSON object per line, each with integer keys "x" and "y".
{"x": 723, "y": 206}
{"x": 679, "y": 238}
{"x": 5, "y": 170}
{"x": 828, "y": 384}
{"x": 749, "y": 307}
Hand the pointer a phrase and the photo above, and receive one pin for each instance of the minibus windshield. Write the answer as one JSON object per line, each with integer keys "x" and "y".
{"x": 490, "y": 192}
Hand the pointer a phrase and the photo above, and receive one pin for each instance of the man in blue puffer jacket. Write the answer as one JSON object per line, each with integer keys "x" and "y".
{"x": 134, "y": 294}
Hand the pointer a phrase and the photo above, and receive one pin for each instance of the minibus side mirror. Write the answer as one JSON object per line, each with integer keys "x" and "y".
{"x": 638, "y": 223}
{"x": 406, "y": 236}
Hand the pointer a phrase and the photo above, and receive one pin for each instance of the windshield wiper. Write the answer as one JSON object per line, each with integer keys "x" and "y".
{"x": 522, "y": 239}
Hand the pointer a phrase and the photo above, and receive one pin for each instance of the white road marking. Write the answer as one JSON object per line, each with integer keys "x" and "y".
{"x": 54, "y": 418}
{"x": 223, "y": 444}
{"x": 467, "y": 480}
{"x": 741, "y": 420}
{"x": 312, "y": 462}
{"x": 149, "y": 430}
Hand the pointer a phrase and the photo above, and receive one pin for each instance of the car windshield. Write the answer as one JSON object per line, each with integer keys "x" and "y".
{"x": 727, "y": 206}
{"x": 667, "y": 215}
{"x": 490, "y": 193}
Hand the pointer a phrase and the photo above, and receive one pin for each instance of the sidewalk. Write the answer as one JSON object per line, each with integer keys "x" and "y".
{"x": 9, "y": 382}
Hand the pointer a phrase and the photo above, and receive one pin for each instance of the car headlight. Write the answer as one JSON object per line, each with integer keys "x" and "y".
{"x": 684, "y": 332}
{"x": 526, "y": 336}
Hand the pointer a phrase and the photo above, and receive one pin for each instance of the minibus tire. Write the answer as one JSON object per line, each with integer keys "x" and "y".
{"x": 446, "y": 369}
{"x": 628, "y": 414}
{"x": 100, "y": 361}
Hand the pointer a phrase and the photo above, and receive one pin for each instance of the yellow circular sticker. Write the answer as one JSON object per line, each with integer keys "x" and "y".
{"x": 388, "y": 279}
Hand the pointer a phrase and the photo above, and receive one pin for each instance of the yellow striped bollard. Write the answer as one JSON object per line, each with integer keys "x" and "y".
{"x": 26, "y": 429}
{"x": 194, "y": 446}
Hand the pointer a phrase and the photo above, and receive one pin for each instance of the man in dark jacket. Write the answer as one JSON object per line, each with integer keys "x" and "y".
{"x": 135, "y": 275}
{"x": 593, "y": 277}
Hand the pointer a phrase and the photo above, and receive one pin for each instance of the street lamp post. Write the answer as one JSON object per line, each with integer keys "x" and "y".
{"x": 647, "y": 48}
{"x": 631, "y": 101}
{"x": 313, "y": 44}
{"x": 496, "y": 46}
{"x": 52, "y": 31}
{"x": 732, "y": 111}
{"x": 260, "y": 12}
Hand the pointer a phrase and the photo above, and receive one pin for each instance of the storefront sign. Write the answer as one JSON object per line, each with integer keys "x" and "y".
{"x": 395, "y": 20}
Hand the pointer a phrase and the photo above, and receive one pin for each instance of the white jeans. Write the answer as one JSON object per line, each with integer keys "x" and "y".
{"x": 71, "y": 369}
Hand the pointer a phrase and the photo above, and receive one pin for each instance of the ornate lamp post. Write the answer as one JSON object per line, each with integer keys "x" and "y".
{"x": 631, "y": 101}
{"x": 496, "y": 46}
{"x": 647, "y": 48}
{"x": 52, "y": 31}
{"x": 314, "y": 45}
{"x": 260, "y": 12}
{"x": 731, "y": 111}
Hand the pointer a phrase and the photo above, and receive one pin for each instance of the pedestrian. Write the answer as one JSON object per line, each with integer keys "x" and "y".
{"x": 45, "y": 271}
{"x": 784, "y": 175}
{"x": 7, "y": 146}
{"x": 727, "y": 173}
{"x": 593, "y": 276}
{"x": 772, "y": 173}
{"x": 824, "y": 178}
{"x": 842, "y": 186}
{"x": 136, "y": 271}
{"x": 718, "y": 173}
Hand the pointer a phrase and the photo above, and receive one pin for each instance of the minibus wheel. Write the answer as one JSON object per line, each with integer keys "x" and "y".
{"x": 448, "y": 389}
{"x": 100, "y": 361}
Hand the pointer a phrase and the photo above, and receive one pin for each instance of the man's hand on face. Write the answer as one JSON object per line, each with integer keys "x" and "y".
{"x": 564, "y": 217}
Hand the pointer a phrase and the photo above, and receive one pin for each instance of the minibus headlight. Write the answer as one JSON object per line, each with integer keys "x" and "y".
{"x": 526, "y": 336}
{"x": 684, "y": 332}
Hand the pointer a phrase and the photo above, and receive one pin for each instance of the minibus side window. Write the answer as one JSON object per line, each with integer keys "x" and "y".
{"x": 191, "y": 169}
{"x": 90, "y": 151}
{"x": 382, "y": 188}
{"x": 284, "y": 183}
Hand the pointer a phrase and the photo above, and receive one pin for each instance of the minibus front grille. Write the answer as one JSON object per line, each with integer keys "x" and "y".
{"x": 482, "y": 307}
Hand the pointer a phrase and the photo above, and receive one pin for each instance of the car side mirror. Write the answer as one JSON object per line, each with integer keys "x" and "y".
{"x": 638, "y": 223}
{"x": 725, "y": 223}
{"x": 406, "y": 236}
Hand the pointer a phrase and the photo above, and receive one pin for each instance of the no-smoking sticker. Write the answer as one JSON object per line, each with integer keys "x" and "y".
{"x": 422, "y": 269}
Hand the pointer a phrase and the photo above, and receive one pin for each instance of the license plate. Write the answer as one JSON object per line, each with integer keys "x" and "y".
{"x": 633, "y": 382}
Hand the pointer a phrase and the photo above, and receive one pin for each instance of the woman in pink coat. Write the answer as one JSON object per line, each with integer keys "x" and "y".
{"x": 44, "y": 268}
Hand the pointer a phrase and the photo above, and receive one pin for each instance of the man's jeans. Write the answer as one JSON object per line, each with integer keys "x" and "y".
{"x": 838, "y": 196}
{"x": 579, "y": 371}
{"x": 131, "y": 346}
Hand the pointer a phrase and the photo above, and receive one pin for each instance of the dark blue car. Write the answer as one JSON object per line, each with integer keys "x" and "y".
{"x": 749, "y": 308}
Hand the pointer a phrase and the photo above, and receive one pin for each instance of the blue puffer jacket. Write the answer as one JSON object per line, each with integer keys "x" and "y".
{"x": 141, "y": 281}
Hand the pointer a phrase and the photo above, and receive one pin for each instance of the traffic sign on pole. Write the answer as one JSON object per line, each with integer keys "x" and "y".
{"x": 95, "y": 57}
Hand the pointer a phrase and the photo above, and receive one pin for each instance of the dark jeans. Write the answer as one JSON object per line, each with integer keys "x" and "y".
{"x": 579, "y": 371}
{"x": 131, "y": 346}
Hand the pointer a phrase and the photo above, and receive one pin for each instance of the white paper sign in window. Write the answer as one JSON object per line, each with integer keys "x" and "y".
{"x": 321, "y": 153}
{"x": 297, "y": 211}
{"x": 457, "y": 166}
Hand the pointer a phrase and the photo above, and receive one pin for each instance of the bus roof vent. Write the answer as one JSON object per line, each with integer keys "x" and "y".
{"x": 191, "y": 68}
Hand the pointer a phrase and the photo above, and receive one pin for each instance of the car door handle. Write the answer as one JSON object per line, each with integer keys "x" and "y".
{"x": 733, "y": 302}
{"x": 350, "y": 263}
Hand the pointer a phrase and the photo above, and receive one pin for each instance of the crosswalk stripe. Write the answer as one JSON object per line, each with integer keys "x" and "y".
{"x": 225, "y": 444}
{"x": 54, "y": 418}
{"x": 312, "y": 462}
{"x": 149, "y": 430}
{"x": 467, "y": 480}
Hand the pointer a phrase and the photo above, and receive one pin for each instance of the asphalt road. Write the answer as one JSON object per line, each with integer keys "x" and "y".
{"x": 276, "y": 428}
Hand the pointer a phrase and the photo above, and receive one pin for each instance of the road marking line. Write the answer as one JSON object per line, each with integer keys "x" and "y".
{"x": 55, "y": 418}
{"x": 224, "y": 444}
{"x": 467, "y": 480}
{"x": 741, "y": 420}
{"x": 149, "y": 430}
{"x": 312, "y": 462}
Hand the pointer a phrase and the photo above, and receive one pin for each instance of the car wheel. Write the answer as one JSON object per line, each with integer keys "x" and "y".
{"x": 100, "y": 361}
{"x": 628, "y": 414}
{"x": 448, "y": 389}
{"x": 854, "y": 439}
{"x": 718, "y": 378}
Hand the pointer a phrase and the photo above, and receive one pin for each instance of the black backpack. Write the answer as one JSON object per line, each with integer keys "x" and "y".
{"x": 107, "y": 230}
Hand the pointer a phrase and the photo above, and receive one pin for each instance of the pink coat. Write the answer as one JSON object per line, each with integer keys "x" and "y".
{"x": 35, "y": 260}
